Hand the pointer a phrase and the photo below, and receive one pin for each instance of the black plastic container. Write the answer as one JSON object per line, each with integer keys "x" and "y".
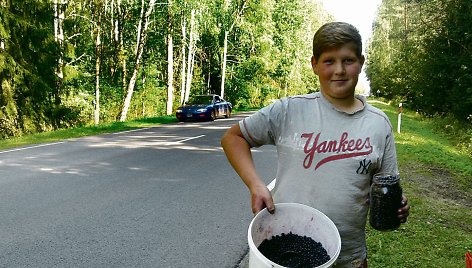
{"x": 385, "y": 200}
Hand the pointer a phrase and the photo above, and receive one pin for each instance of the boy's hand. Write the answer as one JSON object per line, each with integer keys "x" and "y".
{"x": 261, "y": 198}
{"x": 404, "y": 211}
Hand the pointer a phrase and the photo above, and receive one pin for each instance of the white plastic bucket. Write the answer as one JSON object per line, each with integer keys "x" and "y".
{"x": 298, "y": 219}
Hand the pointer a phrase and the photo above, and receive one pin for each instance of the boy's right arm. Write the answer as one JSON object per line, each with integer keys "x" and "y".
{"x": 238, "y": 152}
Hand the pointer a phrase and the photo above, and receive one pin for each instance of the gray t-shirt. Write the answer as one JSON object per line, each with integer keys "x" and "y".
{"x": 326, "y": 159}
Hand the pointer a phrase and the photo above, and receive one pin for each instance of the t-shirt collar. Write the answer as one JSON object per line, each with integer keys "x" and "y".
{"x": 359, "y": 97}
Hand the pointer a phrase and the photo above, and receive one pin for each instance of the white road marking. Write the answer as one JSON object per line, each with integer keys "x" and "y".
{"x": 30, "y": 147}
{"x": 271, "y": 185}
{"x": 54, "y": 143}
{"x": 188, "y": 139}
{"x": 132, "y": 130}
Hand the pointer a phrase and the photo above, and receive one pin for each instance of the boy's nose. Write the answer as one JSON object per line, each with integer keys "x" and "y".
{"x": 339, "y": 68}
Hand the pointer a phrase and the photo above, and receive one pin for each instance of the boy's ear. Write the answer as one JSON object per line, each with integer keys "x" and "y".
{"x": 313, "y": 65}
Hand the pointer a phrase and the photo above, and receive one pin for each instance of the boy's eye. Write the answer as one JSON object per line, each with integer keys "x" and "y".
{"x": 349, "y": 61}
{"x": 329, "y": 61}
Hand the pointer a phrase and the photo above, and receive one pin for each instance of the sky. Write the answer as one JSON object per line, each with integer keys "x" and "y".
{"x": 360, "y": 13}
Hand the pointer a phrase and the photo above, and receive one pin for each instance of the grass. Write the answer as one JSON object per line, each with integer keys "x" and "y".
{"x": 436, "y": 177}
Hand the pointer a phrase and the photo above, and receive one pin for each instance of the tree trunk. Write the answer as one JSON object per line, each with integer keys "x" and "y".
{"x": 140, "y": 24}
{"x": 170, "y": 61}
{"x": 190, "y": 57}
{"x": 223, "y": 72}
{"x": 139, "y": 54}
{"x": 59, "y": 10}
{"x": 114, "y": 39}
{"x": 182, "y": 84}
{"x": 98, "y": 30}
{"x": 121, "y": 50}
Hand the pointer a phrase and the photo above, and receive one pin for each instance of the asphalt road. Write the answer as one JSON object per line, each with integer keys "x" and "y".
{"x": 163, "y": 196}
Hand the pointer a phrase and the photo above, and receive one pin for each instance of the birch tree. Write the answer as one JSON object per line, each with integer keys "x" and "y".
{"x": 238, "y": 14}
{"x": 142, "y": 32}
{"x": 191, "y": 56}
{"x": 59, "y": 10}
{"x": 121, "y": 47}
{"x": 183, "y": 71}
{"x": 98, "y": 49}
{"x": 170, "y": 61}
{"x": 140, "y": 25}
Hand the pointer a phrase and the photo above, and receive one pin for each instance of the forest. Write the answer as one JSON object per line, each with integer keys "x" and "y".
{"x": 421, "y": 54}
{"x": 69, "y": 63}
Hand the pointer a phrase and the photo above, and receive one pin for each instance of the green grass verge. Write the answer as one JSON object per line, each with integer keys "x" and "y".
{"x": 437, "y": 179}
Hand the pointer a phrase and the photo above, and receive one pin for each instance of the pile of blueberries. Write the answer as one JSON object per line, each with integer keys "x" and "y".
{"x": 292, "y": 250}
{"x": 385, "y": 200}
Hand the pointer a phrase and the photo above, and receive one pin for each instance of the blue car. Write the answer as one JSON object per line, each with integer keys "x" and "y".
{"x": 204, "y": 107}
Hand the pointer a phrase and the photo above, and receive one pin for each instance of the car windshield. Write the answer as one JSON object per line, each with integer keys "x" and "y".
{"x": 200, "y": 100}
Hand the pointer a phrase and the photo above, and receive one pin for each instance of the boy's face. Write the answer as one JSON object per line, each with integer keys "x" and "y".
{"x": 338, "y": 70}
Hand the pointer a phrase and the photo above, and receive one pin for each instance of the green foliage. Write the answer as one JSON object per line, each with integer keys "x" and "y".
{"x": 274, "y": 50}
{"x": 268, "y": 57}
{"x": 420, "y": 53}
{"x": 27, "y": 68}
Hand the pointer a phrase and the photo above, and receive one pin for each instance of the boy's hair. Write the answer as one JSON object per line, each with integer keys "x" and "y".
{"x": 335, "y": 34}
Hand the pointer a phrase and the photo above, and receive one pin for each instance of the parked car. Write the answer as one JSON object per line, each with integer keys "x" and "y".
{"x": 204, "y": 107}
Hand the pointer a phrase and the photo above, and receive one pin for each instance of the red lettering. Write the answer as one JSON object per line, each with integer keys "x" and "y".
{"x": 322, "y": 147}
{"x": 342, "y": 142}
{"x": 332, "y": 146}
{"x": 341, "y": 156}
{"x": 367, "y": 143}
{"x": 310, "y": 152}
{"x": 344, "y": 148}
{"x": 350, "y": 146}
{"x": 359, "y": 144}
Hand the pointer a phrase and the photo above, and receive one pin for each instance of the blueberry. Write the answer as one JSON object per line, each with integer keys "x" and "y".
{"x": 385, "y": 200}
{"x": 292, "y": 250}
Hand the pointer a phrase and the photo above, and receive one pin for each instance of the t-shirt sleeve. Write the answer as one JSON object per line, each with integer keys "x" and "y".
{"x": 389, "y": 159}
{"x": 262, "y": 127}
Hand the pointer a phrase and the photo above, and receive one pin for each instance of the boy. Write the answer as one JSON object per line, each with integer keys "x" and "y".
{"x": 329, "y": 144}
